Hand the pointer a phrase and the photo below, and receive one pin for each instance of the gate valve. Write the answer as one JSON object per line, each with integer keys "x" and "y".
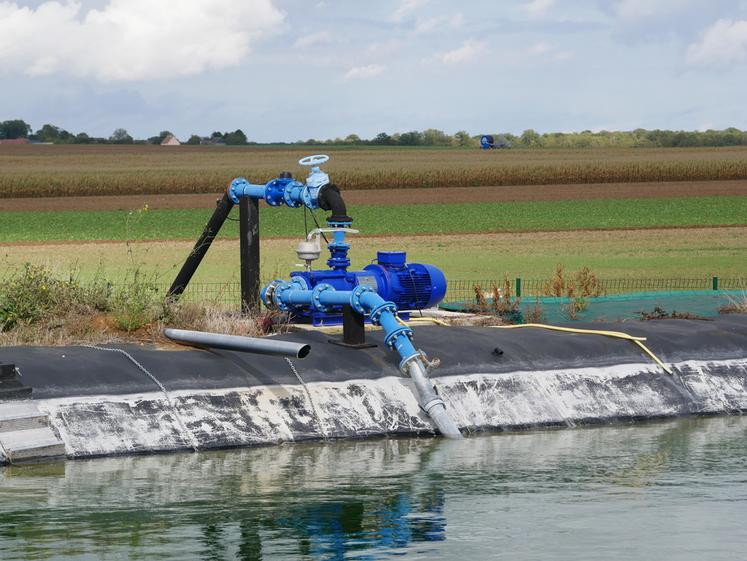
{"x": 316, "y": 179}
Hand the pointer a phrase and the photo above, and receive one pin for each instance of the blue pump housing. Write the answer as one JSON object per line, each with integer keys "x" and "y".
{"x": 410, "y": 286}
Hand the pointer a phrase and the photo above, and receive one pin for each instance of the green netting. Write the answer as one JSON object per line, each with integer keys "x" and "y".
{"x": 705, "y": 303}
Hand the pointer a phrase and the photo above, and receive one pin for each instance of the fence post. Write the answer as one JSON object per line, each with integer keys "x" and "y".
{"x": 715, "y": 283}
{"x": 518, "y": 287}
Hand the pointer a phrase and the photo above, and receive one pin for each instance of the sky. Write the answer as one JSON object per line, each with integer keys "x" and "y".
{"x": 286, "y": 70}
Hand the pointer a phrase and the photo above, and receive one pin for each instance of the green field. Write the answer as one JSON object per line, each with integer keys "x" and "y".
{"x": 386, "y": 220}
{"x": 676, "y": 253}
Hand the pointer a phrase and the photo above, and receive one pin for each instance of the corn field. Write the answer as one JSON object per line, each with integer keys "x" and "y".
{"x": 34, "y": 170}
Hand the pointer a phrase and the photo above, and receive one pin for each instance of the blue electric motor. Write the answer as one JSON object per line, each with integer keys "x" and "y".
{"x": 411, "y": 286}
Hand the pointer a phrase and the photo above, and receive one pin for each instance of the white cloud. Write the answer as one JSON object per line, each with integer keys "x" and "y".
{"x": 539, "y": 48}
{"x": 538, "y": 8}
{"x": 406, "y": 8}
{"x": 131, "y": 39}
{"x": 368, "y": 71}
{"x": 465, "y": 53}
{"x": 636, "y": 10}
{"x": 380, "y": 51}
{"x": 431, "y": 24}
{"x": 565, "y": 55}
{"x": 318, "y": 38}
{"x": 722, "y": 44}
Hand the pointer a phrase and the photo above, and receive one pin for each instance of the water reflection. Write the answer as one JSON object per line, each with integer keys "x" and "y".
{"x": 356, "y": 500}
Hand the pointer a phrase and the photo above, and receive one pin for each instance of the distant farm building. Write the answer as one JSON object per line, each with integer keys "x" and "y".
{"x": 14, "y": 141}
{"x": 212, "y": 141}
{"x": 170, "y": 140}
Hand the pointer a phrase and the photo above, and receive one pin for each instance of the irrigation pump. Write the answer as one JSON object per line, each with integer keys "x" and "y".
{"x": 381, "y": 293}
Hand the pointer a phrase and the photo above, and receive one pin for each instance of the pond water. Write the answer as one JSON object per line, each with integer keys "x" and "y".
{"x": 668, "y": 490}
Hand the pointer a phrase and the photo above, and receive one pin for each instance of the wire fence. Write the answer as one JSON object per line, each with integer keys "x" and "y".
{"x": 228, "y": 294}
{"x": 464, "y": 290}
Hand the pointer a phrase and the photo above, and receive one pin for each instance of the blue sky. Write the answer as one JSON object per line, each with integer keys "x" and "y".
{"x": 283, "y": 70}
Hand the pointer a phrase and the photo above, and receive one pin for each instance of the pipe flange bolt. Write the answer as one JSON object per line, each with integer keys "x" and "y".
{"x": 380, "y": 309}
{"x": 237, "y": 189}
{"x": 391, "y": 339}
{"x": 274, "y": 191}
{"x": 278, "y": 295}
{"x": 355, "y": 298}
{"x": 268, "y": 293}
{"x": 316, "y": 296}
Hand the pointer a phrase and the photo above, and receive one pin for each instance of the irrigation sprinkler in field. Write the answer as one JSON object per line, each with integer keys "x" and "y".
{"x": 381, "y": 294}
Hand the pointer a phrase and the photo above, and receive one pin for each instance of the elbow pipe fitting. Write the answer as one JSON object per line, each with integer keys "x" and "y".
{"x": 330, "y": 198}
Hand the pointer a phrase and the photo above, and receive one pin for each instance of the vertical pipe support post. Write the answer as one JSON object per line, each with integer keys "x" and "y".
{"x": 249, "y": 253}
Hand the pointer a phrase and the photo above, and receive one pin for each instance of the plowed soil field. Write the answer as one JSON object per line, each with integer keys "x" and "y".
{"x": 405, "y": 196}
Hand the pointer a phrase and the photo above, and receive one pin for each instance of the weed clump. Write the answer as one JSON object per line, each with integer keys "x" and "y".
{"x": 36, "y": 294}
{"x": 577, "y": 286}
{"x": 661, "y": 313}
{"x": 501, "y": 302}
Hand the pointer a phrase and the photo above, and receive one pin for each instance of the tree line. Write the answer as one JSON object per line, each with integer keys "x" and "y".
{"x": 530, "y": 138}
{"x": 18, "y": 128}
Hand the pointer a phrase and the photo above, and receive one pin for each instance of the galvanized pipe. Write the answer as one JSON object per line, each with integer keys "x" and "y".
{"x": 257, "y": 345}
{"x": 430, "y": 401}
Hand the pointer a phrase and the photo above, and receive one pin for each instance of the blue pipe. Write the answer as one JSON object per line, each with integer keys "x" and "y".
{"x": 277, "y": 192}
{"x": 364, "y": 300}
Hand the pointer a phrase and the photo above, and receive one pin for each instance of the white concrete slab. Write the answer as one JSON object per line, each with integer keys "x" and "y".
{"x": 21, "y": 415}
{"x": 31, "y": 444}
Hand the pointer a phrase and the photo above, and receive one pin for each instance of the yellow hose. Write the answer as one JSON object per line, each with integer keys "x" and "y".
{"x": 617, "y": 334}
{"x": 422, "y": 320}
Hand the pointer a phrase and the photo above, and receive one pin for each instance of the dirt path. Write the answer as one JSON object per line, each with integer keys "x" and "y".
{"x": 405, "y": 196}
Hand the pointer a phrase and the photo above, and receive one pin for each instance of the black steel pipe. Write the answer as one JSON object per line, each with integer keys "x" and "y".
{"x": 249, "y": 253}
{"x": 330, "y": 198}
{"x": 194, "y": 259}
{"x": 257, "y": 345}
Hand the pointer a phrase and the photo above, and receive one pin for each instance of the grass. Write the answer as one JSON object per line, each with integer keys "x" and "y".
{"x": 411, "y": 219}
{"x": 610, "y": 254}
{"x": 34, "y": 171}
{"x": 38, "y": 306}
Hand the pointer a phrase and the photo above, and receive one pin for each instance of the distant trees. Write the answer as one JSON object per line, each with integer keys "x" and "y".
{"x": 235, "y": 138}
{"x": 13, "y": 129}
{"x": 51, "y": 133}
{"x": 120, "y": 136}
{"x": 412, "y": 138}
{"x": 462, "y": 138}
{"x": 383, "y": 139}
{"x": 530, "y": 138}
